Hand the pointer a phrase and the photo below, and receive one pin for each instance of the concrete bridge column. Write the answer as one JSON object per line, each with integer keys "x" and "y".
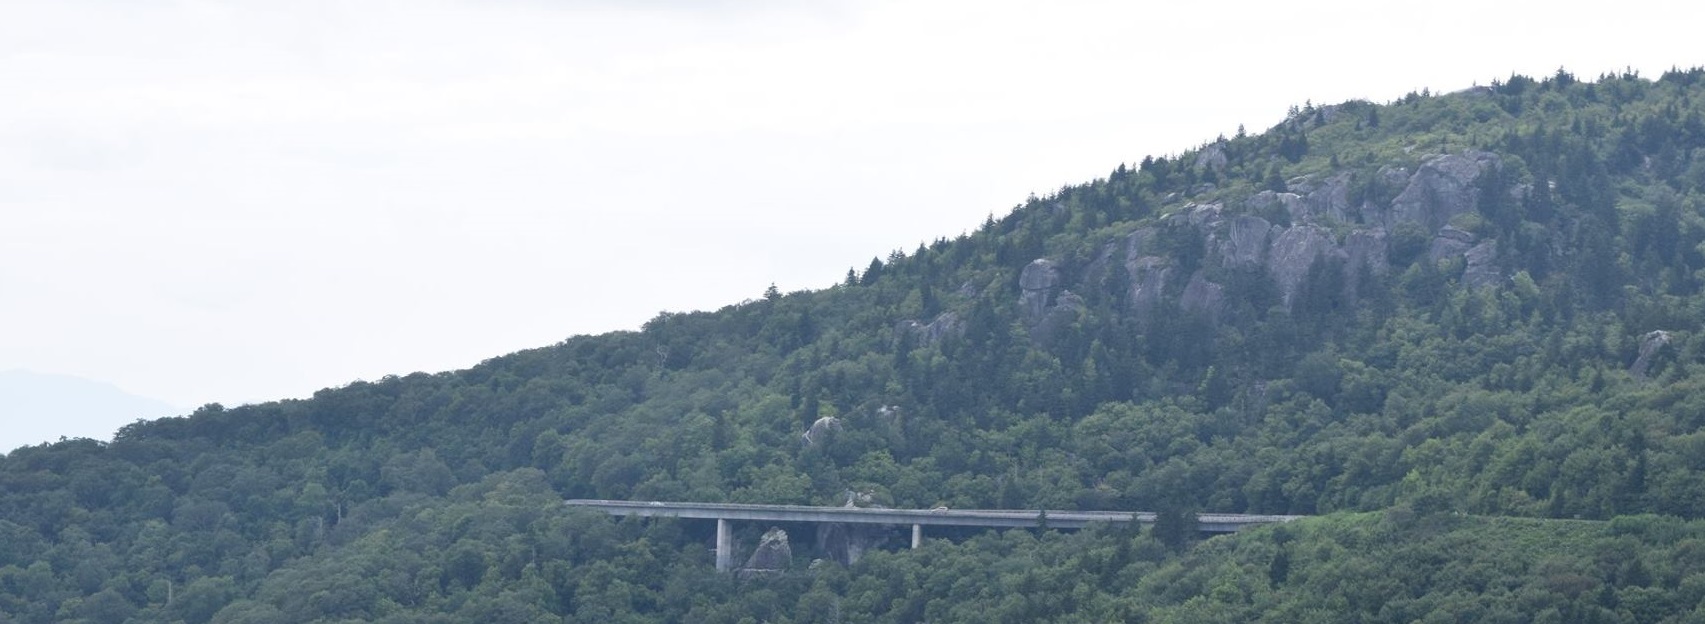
{"x": 917, "y": 535}
{"x": 724, "y": 546}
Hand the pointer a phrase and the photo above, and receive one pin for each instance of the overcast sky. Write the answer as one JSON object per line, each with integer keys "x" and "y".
{"x": 245, "y": 200}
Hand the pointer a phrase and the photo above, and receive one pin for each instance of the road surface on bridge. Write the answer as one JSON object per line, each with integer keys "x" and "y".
{"x": 996, "y": 518}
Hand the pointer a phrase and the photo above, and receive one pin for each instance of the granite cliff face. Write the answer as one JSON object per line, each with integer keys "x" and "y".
{"x": 1313, "y": 226}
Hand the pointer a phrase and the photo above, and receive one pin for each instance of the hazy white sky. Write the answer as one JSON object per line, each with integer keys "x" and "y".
{"x": 241, "y": 200}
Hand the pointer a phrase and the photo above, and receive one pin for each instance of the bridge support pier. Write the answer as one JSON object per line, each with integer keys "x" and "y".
{"x": 917, "y": 535}
{"x": 724, "y": 546}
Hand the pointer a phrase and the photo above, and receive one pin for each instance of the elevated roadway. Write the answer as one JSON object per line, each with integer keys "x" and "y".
{"x": 723, "y": 513}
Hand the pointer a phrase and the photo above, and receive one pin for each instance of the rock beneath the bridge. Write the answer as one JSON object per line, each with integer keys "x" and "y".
{"x": 846, "y": 543}
{"x": 773, "y": 555}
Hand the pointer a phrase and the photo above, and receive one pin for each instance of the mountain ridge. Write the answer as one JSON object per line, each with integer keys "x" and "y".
{"x": 1408, "y": 316}
{"x": 77, "y": 408}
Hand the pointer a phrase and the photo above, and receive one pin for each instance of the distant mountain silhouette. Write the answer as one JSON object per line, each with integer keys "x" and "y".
{"x": 41, "y": 407}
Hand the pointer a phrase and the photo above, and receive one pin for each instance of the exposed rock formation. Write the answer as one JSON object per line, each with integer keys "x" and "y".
{"x": 1324, "y": 199}
{"x": 846, "y": 543}
{"x": 1649, "y": 346}
{"x": 1449, "y": 243}
{"x": 1294, "y": 251}
{"x": 1367, "y": 248}
{"x": 1290, "y": 206}
{"x": 1212, "y": 158}
{"x": 944, "y": 325}
{"x": 1201, "y": 295}
{"x": 862, "y": 500}
{"x": 1364, "y": 249}
{"x": 774, "y": 554}
{"x": 820, "y": 430}
{"x": 1482, "y": 270}
{"x": 1149, "y": 275}
{"x": 1282, "y": 234}
{"x": 1244, "y": 242}
{"x": 891, "y": 416}
{"x": 1038, "y": 282}
{"x": 1065, "y": 311}
{"x": 1442, "y": 188}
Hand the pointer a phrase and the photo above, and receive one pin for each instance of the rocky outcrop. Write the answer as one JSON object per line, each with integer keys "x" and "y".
{"x": 946, "y": 324}
{"x": 1318, "y": 202}
{"x": 1449, "y": 243}
{"x": 1067, "y": 308}
{"x": 1366, "y": 252}
{"x": 1324, "y": 199}
{"x": 773, "y": 555}
{"x": 1200, "y": 215}
{"x": 1649, "y": 346}
{"x": 1203, "y": 296}
{"x": 1149, "y": 276}
{"x": 1039, "y": 282}
{"x": 1388, "y": 177}
{"x": 1147, "y": 268}
{"x": 820, "y": 431}
{"x": 862, "y": 499}
{"x": 1441, "y": 188}
{"x": 1482, "y": 269}
{"x": 1281, "y": 234}
{"x": 1367, "y": 248}
{"x": 1244, "y": 242}
{"x": 890, "y": 416}
{"x": 846, "y": 543}
{"x": 1211, "y": 158}
{"x": 1294, "y": 252}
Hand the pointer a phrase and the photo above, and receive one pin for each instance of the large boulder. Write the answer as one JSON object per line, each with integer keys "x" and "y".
{"x": 773, "y": 555}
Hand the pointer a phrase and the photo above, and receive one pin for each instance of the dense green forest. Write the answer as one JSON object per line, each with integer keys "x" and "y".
{"x": 1464, "y": 330}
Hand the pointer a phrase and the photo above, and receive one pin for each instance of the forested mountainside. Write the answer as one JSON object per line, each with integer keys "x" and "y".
{"x": 1463, "y": 328}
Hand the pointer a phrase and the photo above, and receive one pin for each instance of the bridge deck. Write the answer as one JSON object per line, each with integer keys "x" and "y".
{"x": 1007, "y": 518}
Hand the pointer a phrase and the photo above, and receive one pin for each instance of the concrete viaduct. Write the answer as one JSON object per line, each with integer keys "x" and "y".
{"x": 723, "y": 513}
